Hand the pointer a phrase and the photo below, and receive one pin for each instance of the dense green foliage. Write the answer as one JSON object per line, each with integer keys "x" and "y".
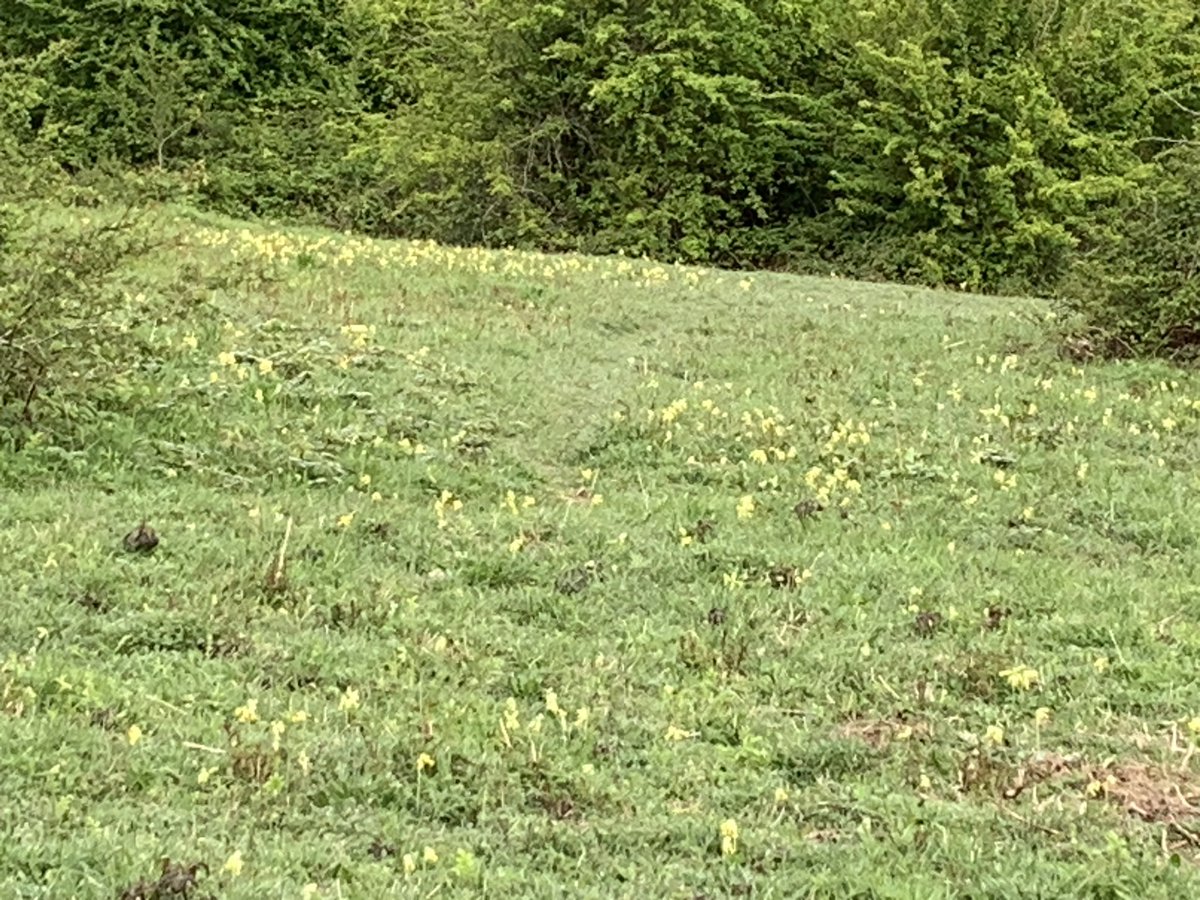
{"x": 1139, "y": 281}
{"x": 65, "y": 323}
{"x": 938, "y": 141}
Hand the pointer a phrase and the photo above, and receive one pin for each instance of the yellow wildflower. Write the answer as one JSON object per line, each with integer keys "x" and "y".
{"x": 234, "y": 864}
{"x": 729, "y": 837}
{"x": 675, "y": 733}
{"x": 1021, "y": 678}
{"x": 247, "y": 712}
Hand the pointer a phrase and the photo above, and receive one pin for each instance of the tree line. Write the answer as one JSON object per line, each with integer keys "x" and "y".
{"x": 1045, "y": 147}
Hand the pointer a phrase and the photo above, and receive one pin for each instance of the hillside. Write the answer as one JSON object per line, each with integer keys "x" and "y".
{"x": 492, "y": 572}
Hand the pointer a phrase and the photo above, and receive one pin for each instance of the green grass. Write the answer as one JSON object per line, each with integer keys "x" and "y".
{"x": 568, "y": 695}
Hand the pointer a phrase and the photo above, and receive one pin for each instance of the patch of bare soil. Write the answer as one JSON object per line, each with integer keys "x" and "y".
{"x": 1151, "y": 792}
{"x": 880, "y": 733}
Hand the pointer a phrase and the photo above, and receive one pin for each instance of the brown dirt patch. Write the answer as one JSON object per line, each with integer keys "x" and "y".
{"x": 880, "y": 733}
{"x": 1151, "y": 792}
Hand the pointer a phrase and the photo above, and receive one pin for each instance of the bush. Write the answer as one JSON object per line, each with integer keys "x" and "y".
{"x": 67, "y": 328}
{"x": 962, "y": 150}
{"x": 140, "y": 81}
{"x": 1138, "y": 280}
{"x": 666, "y": 128}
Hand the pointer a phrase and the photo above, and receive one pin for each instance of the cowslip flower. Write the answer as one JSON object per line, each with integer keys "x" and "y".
{"x": 1021, "y": 677}
{"x": 729, "y": 837}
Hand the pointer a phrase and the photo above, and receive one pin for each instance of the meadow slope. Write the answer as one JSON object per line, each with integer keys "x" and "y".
{"x": 492, "y": 573}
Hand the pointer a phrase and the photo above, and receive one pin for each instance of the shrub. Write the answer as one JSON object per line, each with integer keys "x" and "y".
{"x": 1138, "y": 280}
{"x": 961, "y": 148}
{"x": 669, "y": 128}
{"x": 67, "y": 328}
{"x": 138, "y": 81}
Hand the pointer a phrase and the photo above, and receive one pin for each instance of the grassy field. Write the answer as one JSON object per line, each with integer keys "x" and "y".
{"x": 484, "y": 573}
